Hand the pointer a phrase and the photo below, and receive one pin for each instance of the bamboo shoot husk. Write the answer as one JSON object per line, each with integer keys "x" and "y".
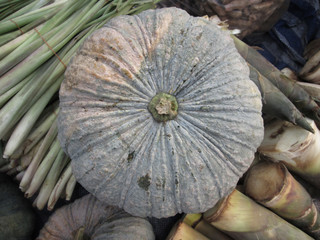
{"x": 182, "y": 231}
{"x": 197, "y": 222}
{"x": 297, "y": 148}
{"x": 312, "y": 88}
{"x": 242, "y": 218}
{"x": 272, "y": 185}
{"x": 311, "y": 70}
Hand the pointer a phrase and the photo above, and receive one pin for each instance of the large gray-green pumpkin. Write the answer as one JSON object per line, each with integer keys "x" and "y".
{"x": 158, "y": 113}
{"x": 89, "y": 218}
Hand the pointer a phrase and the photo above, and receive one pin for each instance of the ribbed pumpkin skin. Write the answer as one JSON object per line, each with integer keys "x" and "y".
{"x": 98, "y": 220}
{"x": 120, "y": 153}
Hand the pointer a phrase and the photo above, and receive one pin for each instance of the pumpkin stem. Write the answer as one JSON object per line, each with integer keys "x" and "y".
{"x": 80, "y": 235}
{"x": 163, "y": 107}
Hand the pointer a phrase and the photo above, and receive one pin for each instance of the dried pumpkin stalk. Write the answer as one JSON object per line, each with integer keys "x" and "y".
{"x": 272, "y": 185}
{"x": 297, "y": 148}
{"x": 242, "y": 218}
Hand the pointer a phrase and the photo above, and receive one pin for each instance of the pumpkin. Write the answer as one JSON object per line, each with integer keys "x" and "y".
{"x": 17, "y": 218}
{"x": 158, "y": 114}
{"x": 88, "y": 218}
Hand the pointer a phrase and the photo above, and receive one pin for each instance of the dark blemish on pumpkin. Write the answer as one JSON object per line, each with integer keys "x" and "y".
{"x": 204, "y": 109}
{"x": 181, "y": 31}
{"x": 163, "y": 183}
{"x": 144, "y": 182}
{"x": 130, "y": 156}
{"x": 89, "y": 148}
{"x": 199, "y": 36}
{"x": 176, "y": 178}
{"x": 278, "y": 132}
{"x": 172, "y": 151}
{"x": 192, "y": 69}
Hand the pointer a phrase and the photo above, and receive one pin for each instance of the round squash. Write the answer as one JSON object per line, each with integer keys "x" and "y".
{"x": 158, "y": 114}
{"x": 88, "y": 218}
{"x": 17, "y": 218}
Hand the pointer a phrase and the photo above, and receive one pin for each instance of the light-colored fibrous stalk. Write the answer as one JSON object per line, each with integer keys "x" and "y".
{"x": 242, "y": 218}
{"x": 272, "y": 185}
{"x": 183, "y": 231}
{"x": 297, "y": 148}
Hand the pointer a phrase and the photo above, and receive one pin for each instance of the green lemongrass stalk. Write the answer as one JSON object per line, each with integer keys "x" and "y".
{"x": 71, "y": 184}
{"x": 297, "y": 95}
{"x": 274, "y": 187}
{"x": 59, "y": 187}
{"x": 183, "y": 231}
{"x": 197, "y": 222}
{"x": 14, "y": 162}
{"x": 276, "y": 103}
{"x": 297, "y": 148}
{"x": 10, "y": 93}
{"x": 43, "y": 169}
{"x": 242, "y": 218}
{"x": 12, "y": 171}
{"x": 60, "y": 162}
{"x": 9, "y": 25}
{"x": 41, "y": 127}
{"x": 41, "y": 130}
{"x": 59, "y": 23}
{"x": 41, "y": 80}
{"x": 5, "y": 168}
{"x": 6, "y": 38}
{"x": 25, "y": 125}
{"x": 7, "y": 48}
{"x": 33, "y": 5}
{"x": 49, "y": 141}
{"x": 43, "y": 53}
{"x": 10, "y": 7}
{"x": 19, "y": 176}
{"x": 26, "y": 159}
{"x": 20, "y": 103}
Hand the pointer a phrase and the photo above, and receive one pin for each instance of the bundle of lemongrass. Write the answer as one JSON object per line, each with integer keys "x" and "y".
{"x": 37, "y": 40}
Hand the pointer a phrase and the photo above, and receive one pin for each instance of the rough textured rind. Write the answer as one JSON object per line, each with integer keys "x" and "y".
{"x": 120, "y": 153}
{"x": 98, "y": 221}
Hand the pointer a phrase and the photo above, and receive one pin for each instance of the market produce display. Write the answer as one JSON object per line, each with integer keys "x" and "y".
{"x": 150, "y": 118}
{"x": 36, "y": 44}
{"x": 161, "y": 114}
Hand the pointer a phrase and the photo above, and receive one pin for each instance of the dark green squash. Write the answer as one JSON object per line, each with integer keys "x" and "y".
{"x": 17, "y": 219}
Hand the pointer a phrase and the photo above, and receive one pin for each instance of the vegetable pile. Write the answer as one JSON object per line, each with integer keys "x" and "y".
{"x": 37, "y": 40}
